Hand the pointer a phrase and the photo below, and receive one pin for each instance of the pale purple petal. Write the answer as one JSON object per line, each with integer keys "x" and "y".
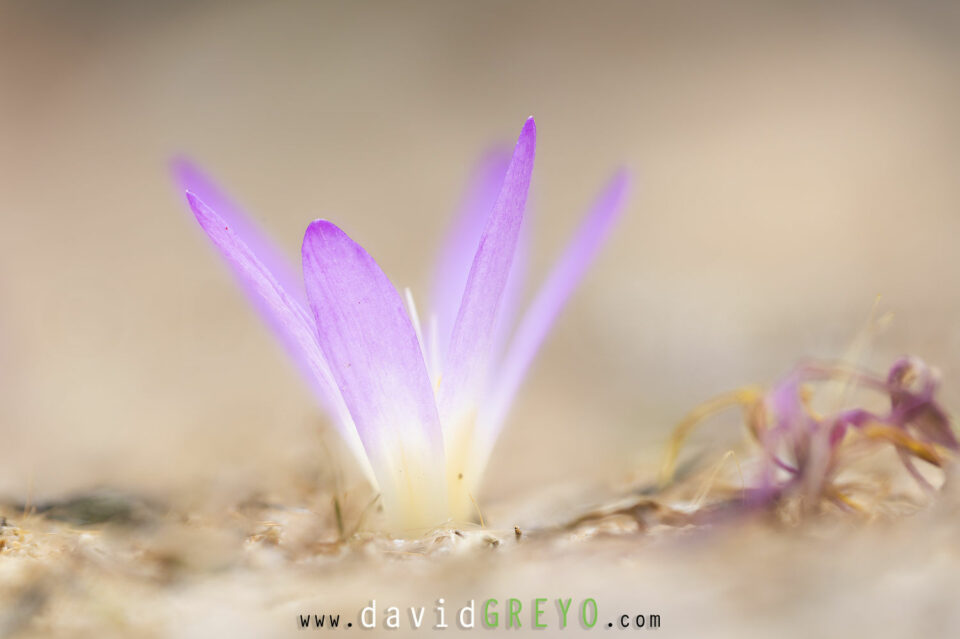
{"x": 548, "y": 303}
{"x": 512, "y": 298}
{"x": 460, "y": 245}
{"x": 373, "y": 352}
{"x": 190, "y": 178}
{"x": 465, "y": 369}
{"x": 289, "y": 319}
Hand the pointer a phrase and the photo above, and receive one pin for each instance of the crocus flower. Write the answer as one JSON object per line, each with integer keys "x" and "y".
{"x": 420, "y": 406}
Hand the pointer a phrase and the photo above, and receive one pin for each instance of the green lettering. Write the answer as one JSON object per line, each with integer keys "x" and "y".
{"x": 537, "y": 612}
{"x": 513, "y": 607}
{"x": 490, "y": 620}
{"x": 563, "y": 611}
{"x": 583, "y": 613}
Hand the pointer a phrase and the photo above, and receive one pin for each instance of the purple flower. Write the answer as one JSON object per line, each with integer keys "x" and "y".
{"x": 801, "y": 448}
{"x": 420, "y": 405}
{"x": 916, "y": 425}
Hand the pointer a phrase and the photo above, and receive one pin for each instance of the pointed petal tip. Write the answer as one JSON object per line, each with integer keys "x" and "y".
{"x": 622, "y": 180}
{"x": 199, "y": 206}
{"x": 206, "y": 216}
{"x": 193, "y": 200}
{"x": 526, "y": 148}
{"x": 615, "y": 192}
{"x": 529, "y": 130}
{"x": 613, "y": 198}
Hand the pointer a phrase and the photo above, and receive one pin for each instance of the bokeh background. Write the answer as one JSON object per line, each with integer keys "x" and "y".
{"x": 792, "y": 162}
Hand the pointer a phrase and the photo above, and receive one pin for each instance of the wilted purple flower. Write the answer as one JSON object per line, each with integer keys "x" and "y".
{"x": 915, "y": 424}
{"x": 420, "y": 409}
{"x": 800, "y": 447}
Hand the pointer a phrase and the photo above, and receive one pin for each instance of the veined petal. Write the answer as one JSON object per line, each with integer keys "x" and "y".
{"x": 460, "y": 245}
{"x": 373, "y": 352}
{"x": 466, "y": 366}
{"x": 545, "y": 308}
{"x": 191, "y": 178}
{"x": 289, "y": 320}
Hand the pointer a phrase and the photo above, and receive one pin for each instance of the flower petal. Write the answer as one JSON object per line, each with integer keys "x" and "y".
{"x": 191, "y": 178}
{"x": 373, "y": 352}
{"x": 511, "y": 302}
{"x": 460, "y": 245}
{"x": 466, "y": 369}
{"x": 288, "y": 318}
{"x": 546, "y": 306}
{"x": 473, "y": 331}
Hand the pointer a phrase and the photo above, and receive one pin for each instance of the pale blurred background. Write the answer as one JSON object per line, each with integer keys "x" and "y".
{"x": 792, "y": 162}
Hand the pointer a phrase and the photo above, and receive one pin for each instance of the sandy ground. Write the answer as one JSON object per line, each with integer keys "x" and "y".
{"x": 792, "y": 163}
{"x": 255, "y": 569}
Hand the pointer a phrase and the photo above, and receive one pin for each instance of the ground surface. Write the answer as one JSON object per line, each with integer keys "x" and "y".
{"x": 252, "y": 570}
